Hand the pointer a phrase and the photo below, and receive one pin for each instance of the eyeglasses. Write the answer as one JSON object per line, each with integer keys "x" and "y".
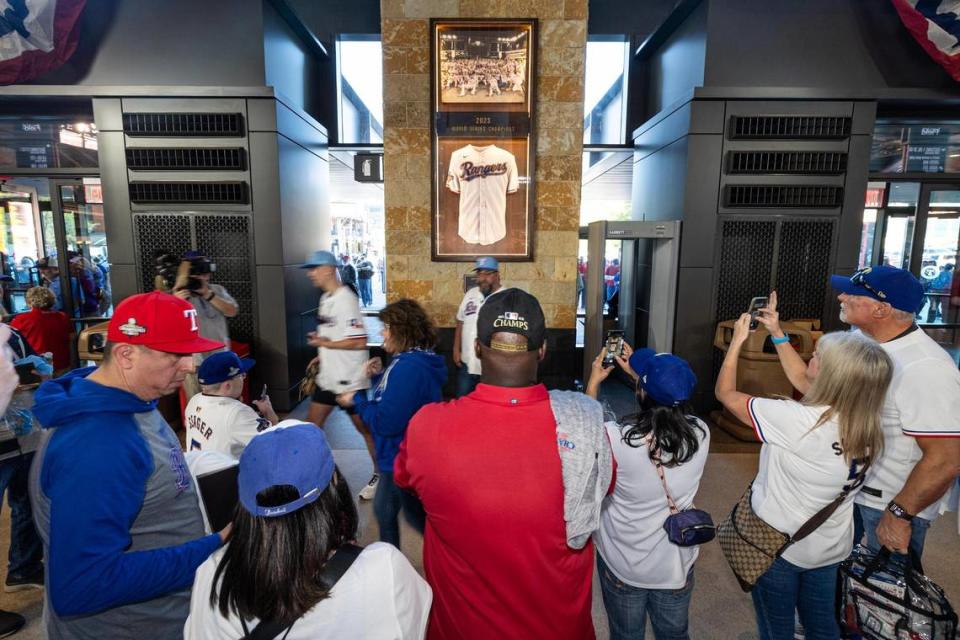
{"x": 860, "y": 279}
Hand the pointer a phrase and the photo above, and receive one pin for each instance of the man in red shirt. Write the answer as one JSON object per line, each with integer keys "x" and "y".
{"x": 487, "y": 470}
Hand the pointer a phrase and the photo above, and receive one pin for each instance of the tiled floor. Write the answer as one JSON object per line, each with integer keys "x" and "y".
{"x": 719, "y": 611}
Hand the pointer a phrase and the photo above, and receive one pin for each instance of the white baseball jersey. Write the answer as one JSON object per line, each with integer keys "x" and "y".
{"x": 802, "y": 470}
{"x": 483, "y": 176}
{"x": 217, "y": 423}
{"x": 339, "y": 318}
{"x": 923, "y": 402}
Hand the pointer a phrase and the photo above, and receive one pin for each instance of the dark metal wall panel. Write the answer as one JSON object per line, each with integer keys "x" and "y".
{"x": 700, "y": 200}
{"x": 304, "y": 200}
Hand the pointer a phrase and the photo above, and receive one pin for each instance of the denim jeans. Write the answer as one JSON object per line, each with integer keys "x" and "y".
{"x": 627, "y": 608}
{"x": 26, "y": 550}
{"x": 866, "y": 519}
{"x": 366, "y": 291}
{"x": 386, "y": 507}
{"x": 786, "y": 588}
{"x": 466, "y": 381}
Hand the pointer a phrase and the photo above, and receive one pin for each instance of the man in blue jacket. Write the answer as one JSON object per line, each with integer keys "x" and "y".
{"x": 112, "y": 497}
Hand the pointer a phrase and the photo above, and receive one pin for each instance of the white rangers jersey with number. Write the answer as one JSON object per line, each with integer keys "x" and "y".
{"x": 483, "y": 176}
{"x": 218, "y": 423}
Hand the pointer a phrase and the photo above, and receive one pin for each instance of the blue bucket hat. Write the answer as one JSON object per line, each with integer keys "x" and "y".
{"x": 319, "y": 259}
{"x": 898, "y": 287}
{"x": 663, "y": 376}
{"x": 223, "y": 366}
{"x": 292, "y": 453}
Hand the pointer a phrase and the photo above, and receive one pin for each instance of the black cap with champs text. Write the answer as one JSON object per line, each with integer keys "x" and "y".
{"x": 512, "y": 311}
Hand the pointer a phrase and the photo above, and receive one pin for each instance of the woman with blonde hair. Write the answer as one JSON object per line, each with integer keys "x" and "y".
{"x": 46, "y": 329}
{"x": 815, "y": 452}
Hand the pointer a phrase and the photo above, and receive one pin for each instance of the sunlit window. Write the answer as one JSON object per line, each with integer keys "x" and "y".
{"x": 604, "y": 106}
{"x": 360, "y": 89}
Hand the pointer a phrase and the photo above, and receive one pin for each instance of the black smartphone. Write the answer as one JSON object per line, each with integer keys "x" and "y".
{"x": 263, "y": 396}
{"x": 613, "y": 347}
{"x": 756, "y": 304}
{"x": 26, "y": 374}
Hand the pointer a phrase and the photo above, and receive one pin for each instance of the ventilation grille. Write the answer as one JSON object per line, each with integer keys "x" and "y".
{"x": 153, "y": 233}
{"x": 800, "y": 162}
{"x": 142, "y": 159}
{"x": 746, "y": 265}
{"x": 803, "y": 267}
{"x": 783, "y": 196}
{"x": 189, "y": 192}
{"x": 780, "y": 127}
{"x": 225, "y": 239}
{"x": 183, "y": 124}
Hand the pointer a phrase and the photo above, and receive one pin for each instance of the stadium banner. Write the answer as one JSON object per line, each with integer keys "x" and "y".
{"x": 935, "y": 24}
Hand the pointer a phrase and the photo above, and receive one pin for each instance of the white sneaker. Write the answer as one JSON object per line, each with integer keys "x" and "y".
{"x": 370, "y": 490}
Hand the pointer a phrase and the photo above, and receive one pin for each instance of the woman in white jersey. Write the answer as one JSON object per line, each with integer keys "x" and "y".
{"x": 295, "y": 523}
{"x": 641, "y": 572}
{"x": 813, "y": 451}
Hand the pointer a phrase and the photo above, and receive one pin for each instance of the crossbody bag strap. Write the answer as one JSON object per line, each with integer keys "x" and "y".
{"x": 332, "y": 571}
{"x": 659, "y": 465}
{"x": 821, "y": 516}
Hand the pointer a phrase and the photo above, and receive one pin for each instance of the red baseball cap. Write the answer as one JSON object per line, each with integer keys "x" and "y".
{"x": 161, "y": 322}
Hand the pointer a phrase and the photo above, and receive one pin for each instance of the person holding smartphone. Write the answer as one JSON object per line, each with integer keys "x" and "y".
{"x": 216, "y": 419}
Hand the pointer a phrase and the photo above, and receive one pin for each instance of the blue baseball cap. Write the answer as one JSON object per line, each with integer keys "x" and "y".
{"x": 898, "y": 287}
{"x": 223, "y": 366}
{"x": 319, "y": 259}
{"x": 486, "y": 263}
{"x": 665, "y": 377}
{"x": 292, "y": 453}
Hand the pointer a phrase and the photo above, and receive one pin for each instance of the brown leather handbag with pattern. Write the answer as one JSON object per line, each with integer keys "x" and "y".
{"x": 309, "y": 383}
{"x": 750, "y": 545}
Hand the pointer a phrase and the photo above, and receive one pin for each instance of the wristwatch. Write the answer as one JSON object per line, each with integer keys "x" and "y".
{"x": 899, "y": 511}
{"x": 210, "y": 297}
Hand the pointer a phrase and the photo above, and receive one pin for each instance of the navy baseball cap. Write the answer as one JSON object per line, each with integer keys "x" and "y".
{"x": 319, "y": 259}
{"x": 898, "y": 287}
{"x": 223, "y": 366}
{"x": 292, "y": 453}
{"x": 486, "y": 263}
{"x": 665, "y": 377}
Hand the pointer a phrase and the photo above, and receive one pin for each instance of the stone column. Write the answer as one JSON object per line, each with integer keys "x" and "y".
{"x": 561, "y": 50}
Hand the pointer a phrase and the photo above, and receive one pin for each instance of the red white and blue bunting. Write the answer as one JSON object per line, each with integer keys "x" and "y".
{"x": 36, "y": 36}
{"x": 935, "y": 24}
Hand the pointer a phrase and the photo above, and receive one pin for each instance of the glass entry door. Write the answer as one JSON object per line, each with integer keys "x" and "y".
{"x": 916, "y": 226}
{"x": 52, "y": 234}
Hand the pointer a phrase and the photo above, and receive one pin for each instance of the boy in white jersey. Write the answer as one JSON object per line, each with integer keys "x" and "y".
{"x": 216, "y": 418}
{"x": 921, "y": 417}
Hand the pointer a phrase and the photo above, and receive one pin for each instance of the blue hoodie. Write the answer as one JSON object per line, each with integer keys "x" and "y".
{"x": 117, "y": 511}
{"x": 413, "y": 379}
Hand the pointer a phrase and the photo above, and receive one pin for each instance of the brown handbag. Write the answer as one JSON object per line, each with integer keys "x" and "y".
{"x": 750, "y": 545}
{"x": 309, "y": 383}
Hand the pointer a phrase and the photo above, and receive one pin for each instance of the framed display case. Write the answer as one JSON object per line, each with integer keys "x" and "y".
{"x": 483, "y": 72}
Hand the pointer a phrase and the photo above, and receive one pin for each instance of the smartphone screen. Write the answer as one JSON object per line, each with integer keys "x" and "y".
{"x": 614, "y": 347}
{"x": 756, "y": 304}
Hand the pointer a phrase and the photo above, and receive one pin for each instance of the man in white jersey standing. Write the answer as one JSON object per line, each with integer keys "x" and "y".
{"x": 341, "y": 342}
{"x": 487, "y": 272}
{"x": 216, "y": 418}
{"x": 921, "y": 417}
